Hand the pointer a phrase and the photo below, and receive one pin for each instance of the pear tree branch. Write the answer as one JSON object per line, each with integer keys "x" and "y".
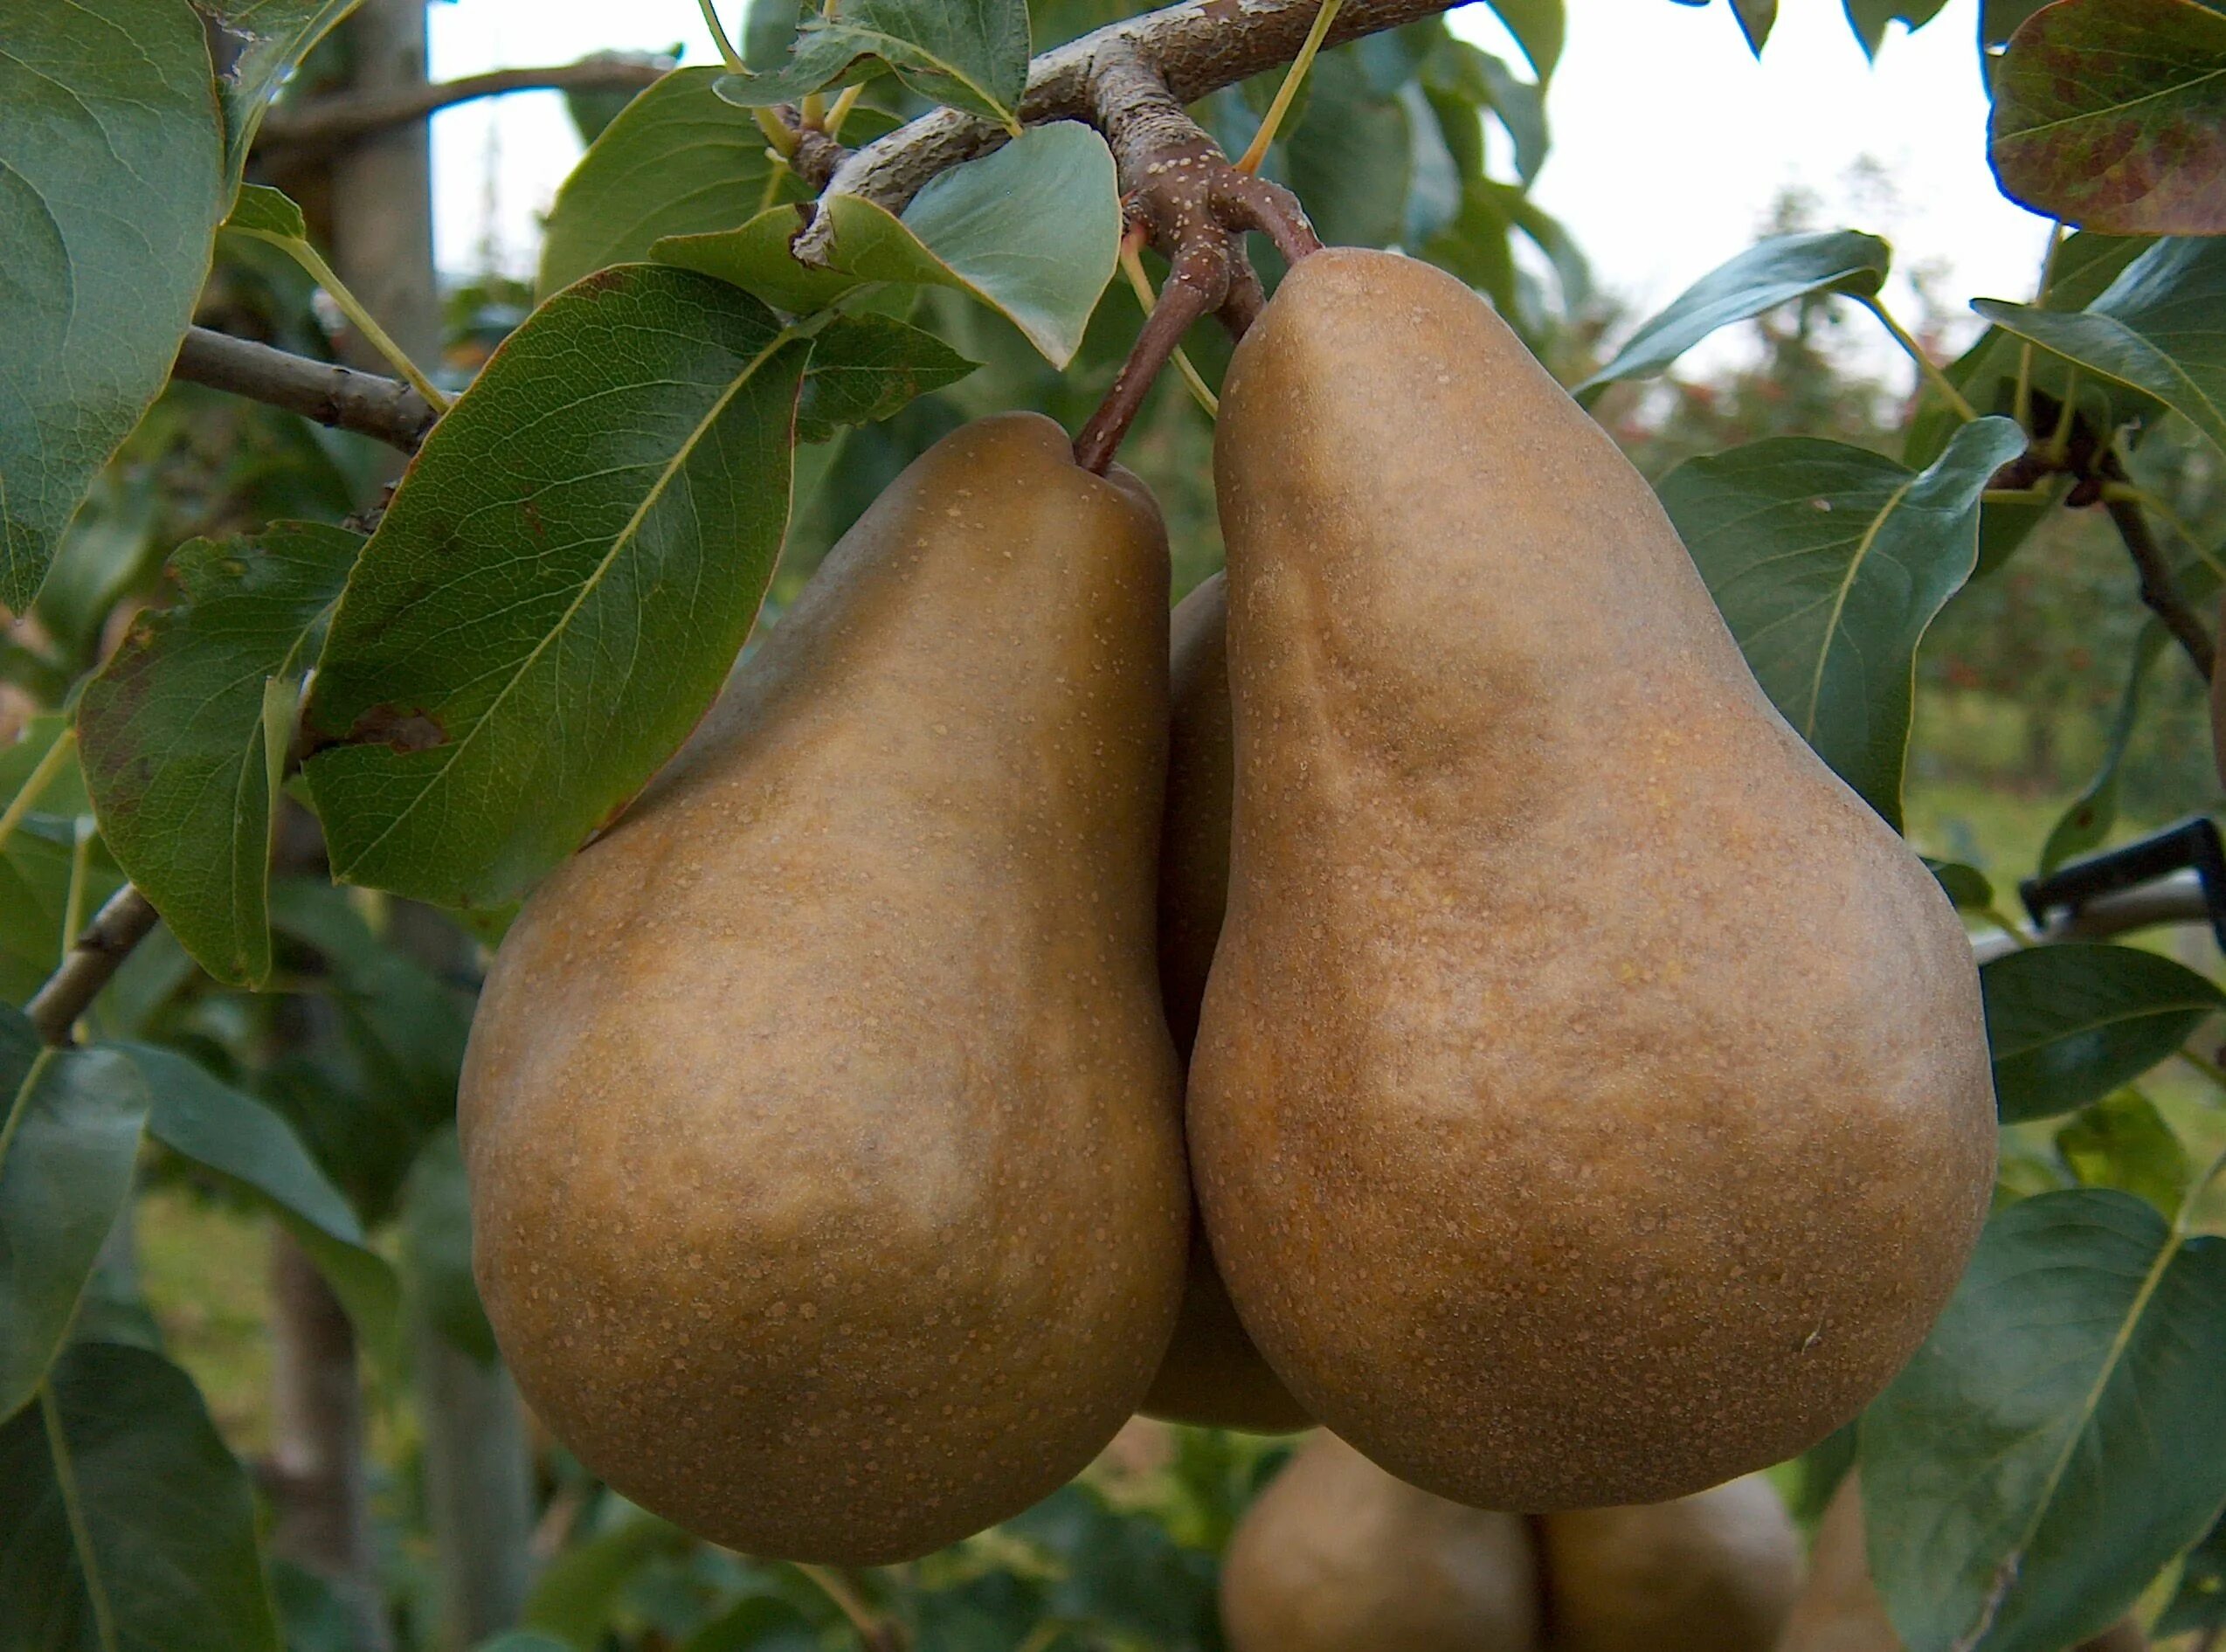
{"x": 329, "y": 122}
{"x": 367, "y": 403}
{"x": 121, "y": 924}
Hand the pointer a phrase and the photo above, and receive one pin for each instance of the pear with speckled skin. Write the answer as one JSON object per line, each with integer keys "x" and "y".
{"x": 822, "y": 1122}
{"x": 1591, "y": 1102}
{"x": 1337, "y": 1556}
{"x": 1212, "y": 1375}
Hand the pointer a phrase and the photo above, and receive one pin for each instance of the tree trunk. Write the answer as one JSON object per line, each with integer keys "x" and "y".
{"x": 478, "y": 1490}
{"x": 382, "y": 236}
{"x": 317, "y": 1451}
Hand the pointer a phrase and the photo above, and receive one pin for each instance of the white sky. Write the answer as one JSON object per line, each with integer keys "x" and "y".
{"x": 1670, "y": 141}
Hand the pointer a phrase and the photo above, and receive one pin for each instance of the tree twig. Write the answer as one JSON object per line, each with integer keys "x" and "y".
{"x": 328, "y": 122}
{"x": 1193, "y": 48}
{"x": 2158, "y": 589}
{"x": 107, "y": 941}
{"x": 367, "y": 403}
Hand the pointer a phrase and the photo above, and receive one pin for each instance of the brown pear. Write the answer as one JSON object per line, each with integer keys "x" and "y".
{"x": 822, "y": 1117}
{"x": 1337, "y": 1556}
{"x": 1839, "y": 1609}
{"x": 1716, "y": 1572}
{"x": 1213, "y": 1374}
{"x": 1591, "y": 1102}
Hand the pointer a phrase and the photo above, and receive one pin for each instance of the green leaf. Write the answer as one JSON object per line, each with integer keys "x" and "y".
{"x": 595, "y": 583}
{"x": 760, "y": 1624}
{"x": 2123, "y": 1142}
{"x": 574, "y": 1597}
{"x": 269, "y": 214}
{"x": 522, "y": 1641}
{"x": 1350, "y": 156}
{"x": 179, "y": 752}
{"x": 111, "y": 547}
{"x": 2070, "y": 1023}
{"x": 2037, "y": 1463}
{"x": 1829, "y": 563}
{"x": 1963, "y": 885}
{"x": 437, "y": 1249}
{"x": 1756, "y": 19}
{"x": 35, "y": 870}
{"x": 968, "y": 54}
{"x": 1986, "y": 373}
{"x": 679, "y": 160}
{"x": 119, "y": 1456}
{"x": 864, "y": 368}
{"x": 1539, "y": 27}
{"x": 2200, "y": 1601}
{"x": 1769, "y": 274}
{"x": 272, "y": 37}
{"x": 2110, "y": 113}
{"x": 67, "y": 1148}
{"x": 2087, "y": 822}
{"x": 2160, "y": 328}
{"x": 1032, "y": 231}
{"x": 1868, "y": 19}
{"x": 111, "y": 183}
{"x": 198, "y": 1116}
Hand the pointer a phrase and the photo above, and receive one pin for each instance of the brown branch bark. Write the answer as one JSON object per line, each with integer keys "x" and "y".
{"x": 328, "y": 122}
{"x": 119, "y": 926}
{"x": 367, "y": 403}
{"x": 2158, "y": 589}
{"x": 1192, "y": 48}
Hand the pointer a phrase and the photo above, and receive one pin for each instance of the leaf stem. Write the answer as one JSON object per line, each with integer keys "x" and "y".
{"x": 58, "y": 1447}
{"x": 2205, "y": 1065}
{"x": 1256, "y": 151}
{"x": 1938, "y": 380}
{"x": 728, "y": 55}
{"x": 1132, "y": 265}
{"x": 81, "y": 865}
{"x": 845, "y": 102}
{"x": 36, "y": 783}
{"x": 782, "y": 140}
{"x": 875, "y": 1630}
{"x": 359, "y": 318}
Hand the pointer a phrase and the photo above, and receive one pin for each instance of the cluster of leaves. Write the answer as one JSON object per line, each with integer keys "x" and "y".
{"x": 534, "y": 625}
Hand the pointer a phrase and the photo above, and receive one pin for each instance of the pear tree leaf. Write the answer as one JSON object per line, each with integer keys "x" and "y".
{"x": 2070, "y": 1023}
{"x": 2088, "y": 820}
{"x": 1868, "y": 19}
{"x": 200, "y": 1118}
{"x": 1756, "y": 19}
{"x": 1032, "y": 231}
{"x": 1539, "y": 27}
{"x": 2032, "y": 1468}
{"x": 967, "y": 54}
{"x": 864, "y": 368}
{"x": 36, "y": 866}
{"x": 2123, "y": 1142}
{"x": 1965, "y": 885}
{"x": 2111, "y": 115}
{"x": 1769, "y": 274}
{"x": 1986, "y": 373}
{"x": 1350, "y": 155}
{"x": 111, "y": 184}
{"x": 179, "y": 750}
{"x": 1829, "y": 562}
{"x": 267, "y": 214}
{"x": 68, "y": 1145}
{"x": 574, "y": 1597}
{"x": 437, "y": 1249}
{"x": 538, "y": 622}
{"x": 2160, "y": 329}
{"x": 118, "y": 1457}
{"x": 679, "y": 160}
{"x": 272, "y": 37}
{"x": 2200, "y": 1601}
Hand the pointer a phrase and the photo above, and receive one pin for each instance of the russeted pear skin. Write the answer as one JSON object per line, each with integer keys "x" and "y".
{"x": 1212, "y": 1375}
{"x": 821, "y": 1118}
{"x": 1839, "y": 1610}
{"x": 1591, "y": 1102}
{"x": 1716, "y": 1572}
{"x": 1337, "y": 1556}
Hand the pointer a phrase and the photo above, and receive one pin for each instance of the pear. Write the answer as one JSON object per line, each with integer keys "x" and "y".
{"x": 821, "y": 1118}
{"x": 1337, "y": 1556}
{"x": 1716, "y": 1572}
{"x": 1591, "y": 1102}
{"x": 1213, "y": 1374}
{"x": 1839, "y": 1609}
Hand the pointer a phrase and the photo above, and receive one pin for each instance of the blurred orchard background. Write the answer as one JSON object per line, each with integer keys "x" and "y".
{"x": 417, "y": 1506}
